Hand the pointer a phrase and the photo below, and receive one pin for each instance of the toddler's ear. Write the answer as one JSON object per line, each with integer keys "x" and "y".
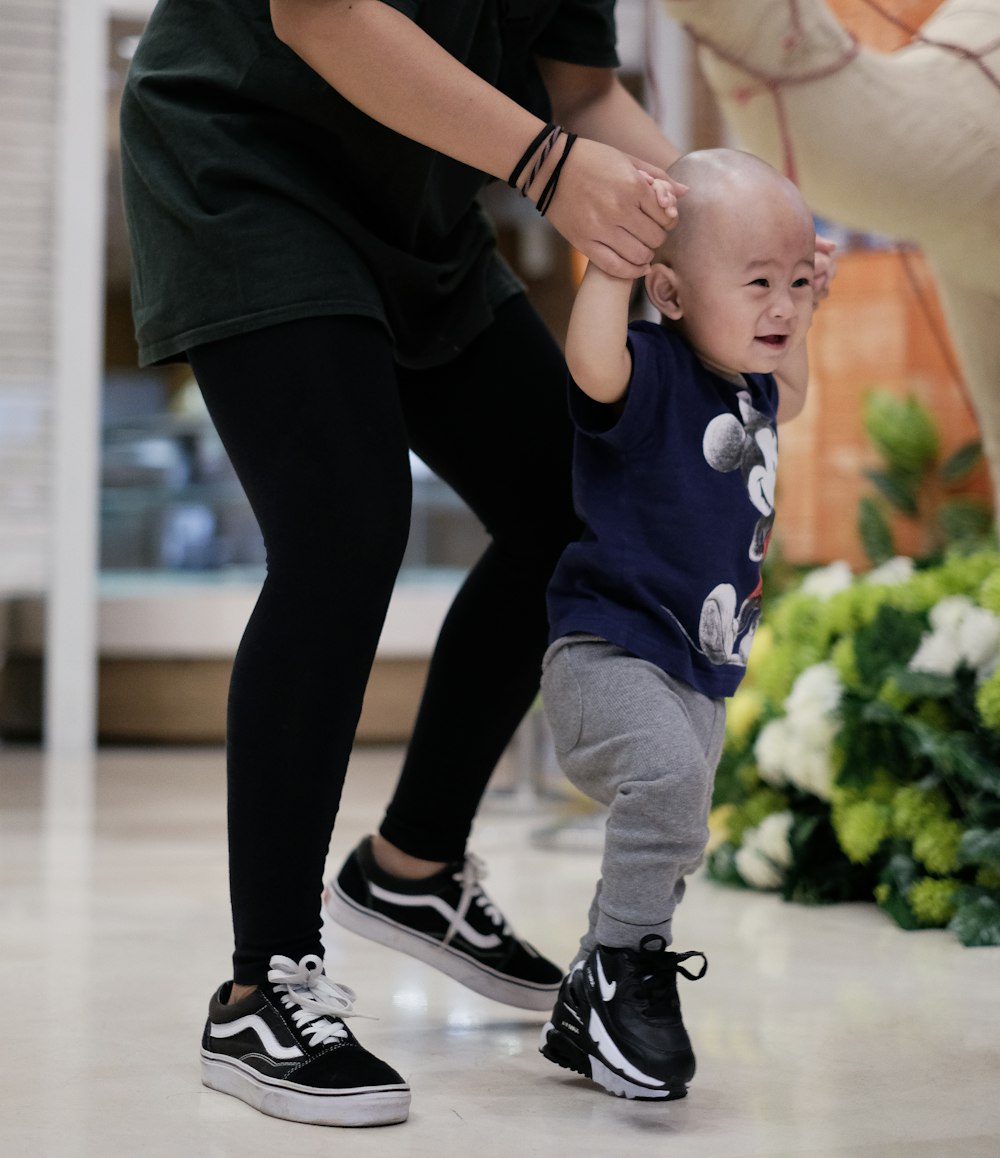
{"x": 663, "y": 291}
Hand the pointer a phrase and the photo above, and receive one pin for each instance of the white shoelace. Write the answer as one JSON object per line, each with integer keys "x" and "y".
{"x": 473, "y": 871}
{"x": 313, "y": 998}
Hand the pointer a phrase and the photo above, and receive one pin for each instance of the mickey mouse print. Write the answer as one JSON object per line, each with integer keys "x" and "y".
{"x": 748, "y": 444}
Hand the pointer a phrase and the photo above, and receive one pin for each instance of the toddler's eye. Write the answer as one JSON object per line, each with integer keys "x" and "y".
{"x": 761, "y": 281}
{"x": 801, "y": 283}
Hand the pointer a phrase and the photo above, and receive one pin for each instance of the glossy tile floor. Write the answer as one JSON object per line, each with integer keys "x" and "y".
{"x": 823, "y": 1032}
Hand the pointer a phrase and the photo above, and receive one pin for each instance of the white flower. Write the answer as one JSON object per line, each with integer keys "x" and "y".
{"x": 765, "y": 853}
{"x": 948, "y": 613}
{"x": 811, "y": 769}
{"x": 938, "y": 652}
{"x": 795, "y": 749}
{"x": 827, "y": 581}
{"x": 979, "y": 640}
{"x": 816, "y": 691}
{"x": 891, "y": 573}
{"x": 755, "y": 868}
{"x": 961, "y": 633}
{"x": 772, "y": 838}
{"x": 770, "y": 751}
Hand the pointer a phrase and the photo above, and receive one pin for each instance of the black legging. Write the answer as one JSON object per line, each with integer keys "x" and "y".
{"x": 317, "y": 418}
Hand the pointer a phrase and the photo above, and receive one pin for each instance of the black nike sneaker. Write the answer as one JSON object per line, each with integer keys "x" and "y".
{"x": 618, "y": 1021}
{"x": 286, "y": 1051}
{"x": 446, "y": 921}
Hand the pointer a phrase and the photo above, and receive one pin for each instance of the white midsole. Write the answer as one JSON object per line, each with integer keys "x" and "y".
{"x": 473, "y": 975}
{"x": 364, "y": 1106}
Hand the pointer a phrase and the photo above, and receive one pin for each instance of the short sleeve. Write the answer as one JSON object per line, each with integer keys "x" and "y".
{"x": 653, "y": 369}
{"x": 581, "y": 32}
{"x": 409, "y": 8}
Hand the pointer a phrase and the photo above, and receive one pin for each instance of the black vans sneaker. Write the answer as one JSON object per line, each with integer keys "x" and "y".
{"x": 446, "y": 921}
{"x": 287, "y": 1052}
{"x": 618, "y": 1021}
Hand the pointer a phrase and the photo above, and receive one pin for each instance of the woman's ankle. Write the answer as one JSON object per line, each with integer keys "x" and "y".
{"x": 397, "y": 863}
{"x": 240, "y": 992}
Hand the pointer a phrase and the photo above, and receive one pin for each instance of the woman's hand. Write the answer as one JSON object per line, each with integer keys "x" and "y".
{"x": 614, "y": 209}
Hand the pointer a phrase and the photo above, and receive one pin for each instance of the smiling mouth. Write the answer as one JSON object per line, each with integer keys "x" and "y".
{"x": 776, "y": 341}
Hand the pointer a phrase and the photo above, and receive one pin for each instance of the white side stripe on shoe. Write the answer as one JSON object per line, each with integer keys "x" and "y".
{"x": 262, "y": 1030}
{"x": 613, "y": 1055}
{"x": 608, "y": 988}
{"x": 491, "y": 941}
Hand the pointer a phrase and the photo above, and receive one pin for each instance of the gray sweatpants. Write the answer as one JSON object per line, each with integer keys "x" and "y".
{"x": 646, "y": 745}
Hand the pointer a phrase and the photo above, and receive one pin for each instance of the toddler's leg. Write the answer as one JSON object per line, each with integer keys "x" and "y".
{"x": 646, "y": 746}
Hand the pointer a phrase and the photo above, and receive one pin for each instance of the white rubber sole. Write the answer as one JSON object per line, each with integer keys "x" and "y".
{"x": 473, "y": 975}
{"x": 559, "y": 1049}
{"x": 366, "y": 1106}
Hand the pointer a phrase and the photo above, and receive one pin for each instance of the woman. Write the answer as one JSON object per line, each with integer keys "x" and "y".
{"x": 300, "y": 181}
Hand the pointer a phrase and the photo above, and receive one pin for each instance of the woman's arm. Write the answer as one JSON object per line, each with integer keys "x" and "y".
{"x": 594, "y": 103}
{"x": 389, "y": 68}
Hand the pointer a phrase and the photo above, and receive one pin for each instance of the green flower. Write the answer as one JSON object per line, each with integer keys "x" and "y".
{"x": 936, "y": 846}
{"x": 845, "y": 663}
{"x": 988, "y": 701}
{"x": 989, "y": 591}
{"x": 933, "y": 901}
{"x": 913, "y": 808}
{"x": 936, "y": 714}
{"x": 752, "y": 811}
{"x": 892, "y": 694}
{"x": 861, "y": 827}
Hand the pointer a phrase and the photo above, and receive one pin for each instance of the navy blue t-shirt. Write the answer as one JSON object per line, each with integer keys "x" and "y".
{"x": 677, "y": 500}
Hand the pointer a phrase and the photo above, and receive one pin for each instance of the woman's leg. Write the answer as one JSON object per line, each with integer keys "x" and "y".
{"x": 309, "y": 414}
{"x": 494, "y": 425}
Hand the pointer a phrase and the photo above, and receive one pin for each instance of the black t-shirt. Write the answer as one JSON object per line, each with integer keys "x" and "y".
{"x": 255, "y": 194}
{"x": 677, "y": 501}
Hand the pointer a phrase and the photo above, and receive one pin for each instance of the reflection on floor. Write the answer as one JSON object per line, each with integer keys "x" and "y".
{"x": 821, "y": 1032}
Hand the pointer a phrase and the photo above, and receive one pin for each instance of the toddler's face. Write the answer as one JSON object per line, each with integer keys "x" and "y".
{"x": 744, "y": 287}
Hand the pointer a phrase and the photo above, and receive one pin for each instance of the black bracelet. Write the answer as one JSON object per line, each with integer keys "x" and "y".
{"x": 529, "y": 153}
{"x": 536, "y": 168}
{"x": 550, "y": 187}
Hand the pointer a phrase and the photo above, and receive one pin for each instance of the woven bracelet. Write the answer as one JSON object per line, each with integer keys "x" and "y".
{"x": 550, "y": 187}
{"x": 528, "y": 154}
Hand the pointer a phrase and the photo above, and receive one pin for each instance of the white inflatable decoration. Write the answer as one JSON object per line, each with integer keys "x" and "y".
{"x": 905, "y": 143}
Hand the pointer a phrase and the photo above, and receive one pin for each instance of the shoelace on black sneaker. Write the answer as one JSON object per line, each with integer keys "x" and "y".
{"x": 472, "y": 872}
{"x": 660, "y": 983}
{"x": 321, "y": 1003}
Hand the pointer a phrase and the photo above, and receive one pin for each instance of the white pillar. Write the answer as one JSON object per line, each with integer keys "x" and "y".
{"x": 70, "y": 633}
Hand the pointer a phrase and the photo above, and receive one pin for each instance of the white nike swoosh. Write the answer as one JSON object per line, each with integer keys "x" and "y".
{"x": 613, "y": 1055}
{"x": 262, "y": 1030}
{"x": 489, "y": 941}
{"x": 608, "y": 988}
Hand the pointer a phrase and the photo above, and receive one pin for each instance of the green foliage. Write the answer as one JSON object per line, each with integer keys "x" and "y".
{"x": 874, "y": 531}
{"x": 977, "y": 919}
{"x": 959, "y": 465}
{"x": 913, "y": 482}
{"x": 911, "y": 818}
{"x": 902, "y": 431}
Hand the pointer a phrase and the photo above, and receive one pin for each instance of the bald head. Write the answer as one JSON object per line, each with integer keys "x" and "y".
{"x": 727, "y": 187}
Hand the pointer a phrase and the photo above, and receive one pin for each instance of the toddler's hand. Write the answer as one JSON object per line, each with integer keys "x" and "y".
{"x": 826, "y": 269}
{"x": 667, "y": 192}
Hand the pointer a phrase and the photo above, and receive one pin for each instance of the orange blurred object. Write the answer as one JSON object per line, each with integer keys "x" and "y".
{"x": 872, "y": 332}
{"x": 869, "y": 22}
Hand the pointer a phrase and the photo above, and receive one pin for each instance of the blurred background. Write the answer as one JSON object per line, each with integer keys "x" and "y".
{"x": 177, "y": 558}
